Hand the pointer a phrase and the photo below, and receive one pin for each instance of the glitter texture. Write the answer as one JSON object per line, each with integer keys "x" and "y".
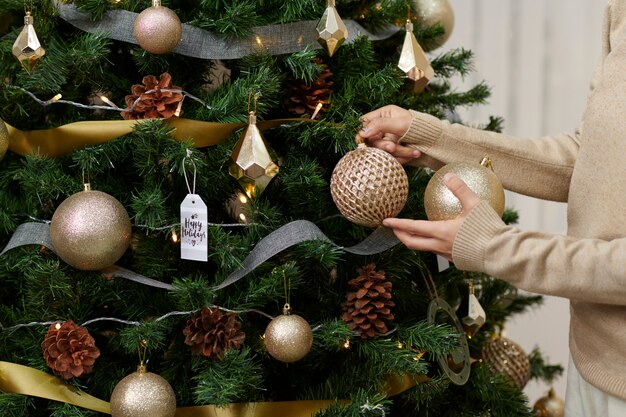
{"x": 369, "y": 185}
{"x": 288, "y": 338}
{"x": 90, "y": 230}
{"x": 158, "y": 29}
{"x": 441, "y": 204}
{"x": 143, "y": 394}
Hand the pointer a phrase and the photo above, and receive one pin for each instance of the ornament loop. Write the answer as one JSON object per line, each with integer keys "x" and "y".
{"x": 192, "y": 190}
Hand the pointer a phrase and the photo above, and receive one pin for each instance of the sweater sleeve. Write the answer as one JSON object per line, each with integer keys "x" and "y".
{"x": 583, "y": 269}
{"x": 538, "y": 167}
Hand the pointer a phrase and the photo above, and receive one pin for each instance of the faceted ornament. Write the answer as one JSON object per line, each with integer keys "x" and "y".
{"x": 27, "y": 48}
{"x": 476, "y": 316}
{"x": 331, "y": 29}
{"x": 251, "y": 163}
{"x": 413, "y": 60}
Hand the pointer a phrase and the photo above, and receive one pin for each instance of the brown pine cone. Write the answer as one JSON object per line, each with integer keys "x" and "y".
{"x": 156, "y": 104}
{"x": 211, "y": 332}
{"x": 69, "y": 350}
{"x": 367, "y": 309}
{"x": 304, "y": 98}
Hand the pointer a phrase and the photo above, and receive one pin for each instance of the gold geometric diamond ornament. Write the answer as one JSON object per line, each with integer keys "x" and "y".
{"x": 331, "y": 29}
{"x": 413, "y": 60}
{"x": 27, "y": 48}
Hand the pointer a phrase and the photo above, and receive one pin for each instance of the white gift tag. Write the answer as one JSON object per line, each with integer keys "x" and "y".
{"x": 442, "y": 263}
{"x": 193, "y": 229}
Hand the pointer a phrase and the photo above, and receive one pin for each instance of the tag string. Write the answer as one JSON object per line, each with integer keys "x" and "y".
{"x": 192, "y": 190}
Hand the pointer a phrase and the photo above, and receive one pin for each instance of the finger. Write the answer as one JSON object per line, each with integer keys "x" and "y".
{"x": 416, "y": 227}
{"x": 421, "y": 243}
{"x": 380, "y": 126}
{"x": 466, "y": 196}
{"x": 376, "y": 114}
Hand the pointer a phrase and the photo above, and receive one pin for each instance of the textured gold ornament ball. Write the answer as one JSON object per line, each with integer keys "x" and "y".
{"x": 508, "y": 358}
{"x": 369, "y": 185}
{"x": 549, "y": 406}
{"x": 4, "y": 139}
{"x": 288, "y": 338}
{"x": 431, "y": 12}
{"x": 158, "y": 29}
{"x": 143, "y": 394}
{"x": 441, "y": 204}
{"x": 90, "y": 230}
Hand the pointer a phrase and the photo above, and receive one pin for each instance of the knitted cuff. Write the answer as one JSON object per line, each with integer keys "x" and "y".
{"x": 423, "y": 132}
{"x": 478, "y": 228}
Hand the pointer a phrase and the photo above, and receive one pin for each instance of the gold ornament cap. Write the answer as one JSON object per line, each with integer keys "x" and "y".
{"x": 331, "y": 30}
{"x": 27, "y": 48}
{"x": 251, "y": 163}
{"x": 413, "y": 61}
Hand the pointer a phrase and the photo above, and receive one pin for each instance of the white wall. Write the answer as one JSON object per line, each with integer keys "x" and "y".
{"x": 538, "y": 57}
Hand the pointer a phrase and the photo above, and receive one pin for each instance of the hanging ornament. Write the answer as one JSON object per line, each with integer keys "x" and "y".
{"x": 456, "y": 365}
{"x": 251, "y": 163}
{"x": 4, "y": 139}
{"x": 367, "y": 308}
{"x": 475, "y": 313}
{"x": 441, "y": 204}
{"x": 331, "y": 30}
{"x": 432, "y": 12}
{"x": 158, "y": 29}
{"x": 549, "y": 406}
{"x": 27, "y": 48}
{"x": 143, "y": 394}
{"x": 508, "y": 358}
{"x": 211, "y": 333}
{"x": 413, "y": 60}
{"x": 69, "y": 350}
{"x": 90, "y": 230}
{"x": 288, "y": 337}
{"x": 369, "y": 185}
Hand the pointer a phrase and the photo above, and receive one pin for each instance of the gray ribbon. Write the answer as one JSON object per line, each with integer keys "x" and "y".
{"x": 198, "y": 43}
{"x": 280, "y": 239}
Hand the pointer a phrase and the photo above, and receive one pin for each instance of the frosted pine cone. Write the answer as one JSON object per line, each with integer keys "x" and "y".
{"x": 367, "y": 309}
{"x": 211, "y": 332}
{"x": 69, "y": 350}
{"x": 155, "y": 104}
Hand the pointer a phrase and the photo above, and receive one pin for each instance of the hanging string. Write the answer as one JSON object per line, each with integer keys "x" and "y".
{"x": 287, "y": 286}
{"x": 192, "y": 190}
{"x": 430, "y": 283}
{"x": 26, "y": 11}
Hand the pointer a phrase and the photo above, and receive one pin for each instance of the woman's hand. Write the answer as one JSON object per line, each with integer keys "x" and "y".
{"x": 382, "y": 128}
{"x": 436, "y": 236}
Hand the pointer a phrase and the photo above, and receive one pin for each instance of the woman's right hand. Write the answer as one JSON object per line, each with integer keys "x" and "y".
{"x": 383, "y": 127}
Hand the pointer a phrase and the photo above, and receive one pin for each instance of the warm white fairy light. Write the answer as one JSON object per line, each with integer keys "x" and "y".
{"x": 57, "y": 97}
{"x": 174, "y": 236}
{"x": 317, "y": 109}
{"x": 242, "y": 217}
{"x": 243, "y": 199}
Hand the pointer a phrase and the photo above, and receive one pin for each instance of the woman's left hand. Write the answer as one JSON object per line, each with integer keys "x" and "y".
{"x": 436, "y": 236}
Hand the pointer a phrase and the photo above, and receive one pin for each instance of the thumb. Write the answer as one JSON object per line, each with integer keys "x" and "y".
{"x": 379, "y": 127}
{"x": 466, "y": 196}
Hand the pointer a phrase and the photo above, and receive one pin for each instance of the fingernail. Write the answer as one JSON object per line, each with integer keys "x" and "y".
{"x": 447, "y": 177}
{"x": 416, "y": 154}
{"x": 364, "y": 129}
{"x": 385, "y": 223}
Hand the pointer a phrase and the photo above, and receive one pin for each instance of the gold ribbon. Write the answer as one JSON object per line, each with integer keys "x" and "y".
{"x": 64, "y": 139}
{"x": 20, "y": 379}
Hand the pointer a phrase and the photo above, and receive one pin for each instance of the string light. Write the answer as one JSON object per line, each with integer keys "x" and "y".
{"x": 243, "y": 198}
{"x": 346, "y": 344}
{"x": 317, "y": 109}
{"x": 55, "y": 98}
{"x": 109, "y": 102}
{"x": 174, "y": 236}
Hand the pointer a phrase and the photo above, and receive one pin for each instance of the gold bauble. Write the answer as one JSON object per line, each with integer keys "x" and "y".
{"x": 288, "y": 337}
{"x": 549, "y": 406}
{"x": 158, "y": 29}
{"x": 143, "y": 394}
{"x": 441, "y": 204}
{"x": 90, "y": 230}
{"x": 4, "y": 139}
{"x": 369, "y": 185}
{"x": 508, "y": 358}
{"x": 431, "y": 12}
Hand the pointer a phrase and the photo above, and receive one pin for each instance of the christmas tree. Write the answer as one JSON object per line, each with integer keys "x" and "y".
{"x": 267, "y": 299}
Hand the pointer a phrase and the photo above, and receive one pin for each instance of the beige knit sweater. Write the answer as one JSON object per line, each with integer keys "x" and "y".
{"x": 588, "y": 170}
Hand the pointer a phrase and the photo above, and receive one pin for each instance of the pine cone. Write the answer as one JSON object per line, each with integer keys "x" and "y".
{"x": 304, "y": 98}
{"x": 211, "y": 332}
{"x": 156, "y": 104}
{"x": 69, "y": 350}
{"x": 368, "y": 307}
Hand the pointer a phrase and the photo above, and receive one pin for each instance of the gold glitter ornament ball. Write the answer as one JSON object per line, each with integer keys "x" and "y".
{"x": 143, "y": 394}
{"x": 4, "y": 139}
{"x": 432, "y": 12}
{"x": 508, "y": 358}
{"x": 549, "y": 406}
{"x": 441, "y": 204}
{"x": 158, "y": 29}
{"x": 90, "y": 230}
{"x": 288, "y": 338}
{"x": 369, "y": 185}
